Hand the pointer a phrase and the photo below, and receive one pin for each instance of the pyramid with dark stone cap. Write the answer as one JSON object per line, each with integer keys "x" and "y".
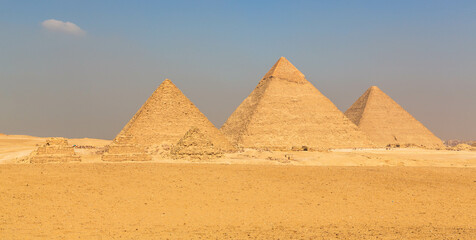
{"x": 195, "y": 145}
{"x": 285, "y": 111}
{"x": 54, "y": 150}
{"x": 387, "y": 123}
{"x": 164, "y": 119}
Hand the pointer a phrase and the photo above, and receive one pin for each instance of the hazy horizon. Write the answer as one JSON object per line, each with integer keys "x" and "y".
{"x": 83, "y": 68}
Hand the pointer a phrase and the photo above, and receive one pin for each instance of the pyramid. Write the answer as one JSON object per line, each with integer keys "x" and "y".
{"x": 54, "y": 150}
{"x": 165, "y": 117}
{"x": 387, "y": 123}
{"x": 285, "y": 111}
{"x": 123, "y": 148}
{"x": 195, "y": 145}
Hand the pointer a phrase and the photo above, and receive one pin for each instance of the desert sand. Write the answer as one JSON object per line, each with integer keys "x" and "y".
{"x": 251, "y": 194}
{"x": 216, "y": 201}
{"x": 17, "y": 149}
{"x": 287, "y": 164}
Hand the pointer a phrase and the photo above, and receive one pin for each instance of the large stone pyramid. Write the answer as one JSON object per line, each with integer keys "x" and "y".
{"x": 165, "y": 117}
{"x": 386, "y": 122}
{"x": 285, "y": 111}
{"x": 195, "y": 145}
{"x": 54, "y": 150}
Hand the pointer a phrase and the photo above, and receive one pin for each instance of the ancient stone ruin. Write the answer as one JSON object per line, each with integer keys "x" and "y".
{"x": 163, "y": 120}
{"x": 123, "y": 148}
{"x": 285, "y": 112}
{"x": 387, "y": 123}
{"x": 54, "y": 150}
{"x": 195, "y": 145}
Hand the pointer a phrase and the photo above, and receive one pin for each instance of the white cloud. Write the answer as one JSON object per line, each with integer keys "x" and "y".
{"x": 60, "y": 26}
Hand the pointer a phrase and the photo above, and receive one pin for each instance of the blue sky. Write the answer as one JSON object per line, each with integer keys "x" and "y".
{"x": 54, "y": 83}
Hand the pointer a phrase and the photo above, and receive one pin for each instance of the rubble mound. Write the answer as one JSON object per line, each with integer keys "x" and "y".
{"x": 54, "y": 150}
{"x": 463, "y": 147}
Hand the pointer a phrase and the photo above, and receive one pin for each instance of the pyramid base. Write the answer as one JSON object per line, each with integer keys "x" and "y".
{"x": 58, "y": 158}
{"x": 303, "y": 148}
{"x": 196, "y": 157}
{"x": 125, "y": 157}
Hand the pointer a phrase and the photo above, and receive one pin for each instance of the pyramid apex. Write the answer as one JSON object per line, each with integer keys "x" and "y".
{"x": 374, "y": 88}
{"x": 167, "y": 81}
{"x": 284, "y": 69}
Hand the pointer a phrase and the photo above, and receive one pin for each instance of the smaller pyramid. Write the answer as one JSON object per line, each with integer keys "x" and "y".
{"x": 387, "y": 123}
{"x": 165, "y": 117}
{"x": 54, "y": 150}
{"x": 124, "y": 149}
{"x": 195, "y": 145}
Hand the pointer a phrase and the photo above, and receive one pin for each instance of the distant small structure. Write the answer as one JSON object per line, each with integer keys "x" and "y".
{"x": 54, "y": 150}
{"x": 463, "y": 147}
{"x": 195, "y": 145}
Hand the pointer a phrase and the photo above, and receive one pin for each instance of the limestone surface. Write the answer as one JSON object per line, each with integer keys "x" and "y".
{"x": 123, "y": 148}
{"x": 166, "y": 116}
{"x": 464, "y": 147}
{"x": 54, "y": 150}
{"x": 285, "y": 111}
{"x": 387, "y": 123}
{"x": 195, "y": 145}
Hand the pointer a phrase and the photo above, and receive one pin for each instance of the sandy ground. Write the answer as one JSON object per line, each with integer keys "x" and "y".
{"x": 216, "y": 201}
{"x": 342, "y": 194}
{"x": 17, "y": 148}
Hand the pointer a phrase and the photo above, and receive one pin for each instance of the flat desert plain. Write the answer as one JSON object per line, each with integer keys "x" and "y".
{"x": 347, "y": 194}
